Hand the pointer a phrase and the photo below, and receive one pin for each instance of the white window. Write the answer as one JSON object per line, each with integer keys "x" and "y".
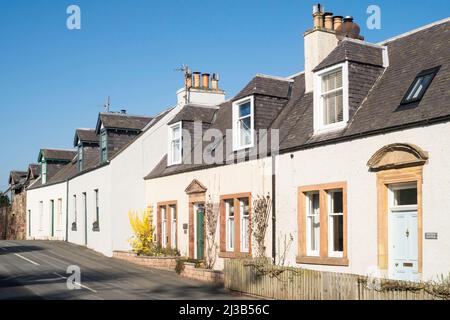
{"x": 331, "y": 98}
{"x": 245, "y": 224}
{"x": 175, "y": 147}
{"x": 313, "y": 224}
{"x": 243, "y": 123}
{"x": 75, "y": 215}
{"x": 97, "y": 206}
{"x": 44, "y": 171}
{"x": 164, "y": 227}
{"x": 103, "y": 146}
{"x": 41, "y": 215}
{"x": 80, "y": 158}
{"x": 335, "y": 224}
{"x": 229, "y": 207}
{"x": 173, "y": 227}
{"x": 59, "y": 214}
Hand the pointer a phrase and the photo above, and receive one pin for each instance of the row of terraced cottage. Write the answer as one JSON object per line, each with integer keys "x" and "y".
{"x": 357, "y": 165}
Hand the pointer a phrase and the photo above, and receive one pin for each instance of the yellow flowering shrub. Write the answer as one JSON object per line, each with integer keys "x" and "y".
{"x": 142, "y": 240}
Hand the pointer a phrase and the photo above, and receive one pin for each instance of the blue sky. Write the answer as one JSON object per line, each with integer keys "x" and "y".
{"x": 53, "y": 80}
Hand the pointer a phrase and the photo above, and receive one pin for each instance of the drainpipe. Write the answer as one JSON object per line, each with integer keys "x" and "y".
{"x": 67, "y": 210}
{"x": 274, "y": 218}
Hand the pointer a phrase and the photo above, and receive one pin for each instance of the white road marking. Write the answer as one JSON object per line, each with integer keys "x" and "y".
{"x": 26, "y": 259}
{"x": 79, "y": 284}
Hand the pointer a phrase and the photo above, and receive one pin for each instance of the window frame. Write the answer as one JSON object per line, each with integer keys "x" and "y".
{"x": 168, "y": 225}
{"x": 236, "y": 128}
{"x": 319, "y": 126}
{"x": 230, "y": 233}
{"x": 44, "y": 171}
{"x": 242, "y": 236}
{"x": 59, "y": 214}
{"x": 103, "y": 157}
{"x": 309, "y": 252}
{"x": 326, "y": 257}
{"x": 171, "y": 139}
{"x": 433, "y": 72}
{"x": 74, "y": 207}
{"x": 237, "y": 251}
{"x": 173, "y": 226}
{"x": 331, "y": 251}
{"x": 80, "y": 157}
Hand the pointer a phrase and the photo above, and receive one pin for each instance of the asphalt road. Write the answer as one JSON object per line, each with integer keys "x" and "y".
{"x": 37, "y": 270}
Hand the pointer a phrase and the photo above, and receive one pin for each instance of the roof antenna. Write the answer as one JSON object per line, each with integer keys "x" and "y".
{"x": 107, "y": 104}
{"x": 187, "y": 81}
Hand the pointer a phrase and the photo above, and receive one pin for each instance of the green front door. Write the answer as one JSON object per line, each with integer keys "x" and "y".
{"x": 200, "y": 231}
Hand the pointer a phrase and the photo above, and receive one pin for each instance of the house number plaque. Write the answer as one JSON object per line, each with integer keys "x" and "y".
{"x": 431, "y": 236}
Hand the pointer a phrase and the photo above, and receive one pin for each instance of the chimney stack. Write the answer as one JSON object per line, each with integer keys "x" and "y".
{"x": 319, "y": 42}
{"x": 215, "y": 82}
{"x": 196, "y": 80}
{"x": 205, "y": 81}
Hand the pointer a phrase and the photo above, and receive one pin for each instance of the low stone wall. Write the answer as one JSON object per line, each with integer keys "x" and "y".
{"x": 189, "y": 271}
{"x": 213, "y": 276}
{"x": 151, "y": 262}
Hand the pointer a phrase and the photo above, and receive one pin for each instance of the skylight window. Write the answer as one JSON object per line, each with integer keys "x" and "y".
{"x": 419, "y": 86}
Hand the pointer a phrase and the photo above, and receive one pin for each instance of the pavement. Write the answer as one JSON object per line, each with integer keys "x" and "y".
{"x": 38, "y": 270}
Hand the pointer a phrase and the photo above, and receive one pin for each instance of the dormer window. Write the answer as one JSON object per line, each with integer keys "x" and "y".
{"x": 175, "y": 147}
{"x": 103, "y": 146}
{"x": 80, "y": 157}
{"x": 331, "y": 98}
{"x": 243, "y": 123}
{"x": 44, "y": 171}
{"x": 420, "y": 85}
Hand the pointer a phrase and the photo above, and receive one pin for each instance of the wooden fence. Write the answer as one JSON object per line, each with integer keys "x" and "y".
{"x": 283, "y": 283}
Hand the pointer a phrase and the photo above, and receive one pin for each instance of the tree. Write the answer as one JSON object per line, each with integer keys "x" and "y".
{"x": 4, "y": 200}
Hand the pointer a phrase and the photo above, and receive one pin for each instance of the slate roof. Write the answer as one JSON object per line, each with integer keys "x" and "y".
{"x": 195, "y": 113}
{"x": 57, "y": 154}
{"x": 122, "y": 121}
{"x": 353, "y": 50}
{"x": 265, "y": 85}
{"x": 85, "y": 135}
{"x": 376, "y": 94}
{"x": 34, "y": 171}
{"x": 16, "y": 177}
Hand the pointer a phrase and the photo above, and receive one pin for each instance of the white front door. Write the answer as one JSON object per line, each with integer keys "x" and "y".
{"x": 403, "y": 233}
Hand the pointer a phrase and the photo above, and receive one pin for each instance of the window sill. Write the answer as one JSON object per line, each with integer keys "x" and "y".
{"x": 235, "y": 255}
{"x": 344, "y": 262}
{"x": 330, "y": 129}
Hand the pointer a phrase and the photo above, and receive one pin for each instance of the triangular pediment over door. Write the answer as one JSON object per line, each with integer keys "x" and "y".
{"x": 195, "y": 187}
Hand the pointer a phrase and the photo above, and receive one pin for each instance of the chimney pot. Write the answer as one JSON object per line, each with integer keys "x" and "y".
{"x": 348, "y": 19}
{"x": 337, "y": 22}
{"x": 196, "y": 80}
{"x": 215, "y": 82}
{"x": 205, "y": 81}
{"x": 123, "y": 111}
{"x": 328, "y": 20}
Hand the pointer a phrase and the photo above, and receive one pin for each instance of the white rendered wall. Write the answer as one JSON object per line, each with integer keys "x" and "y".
{"x": 46, "y": 194}
{"x": 348, "y": 162}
